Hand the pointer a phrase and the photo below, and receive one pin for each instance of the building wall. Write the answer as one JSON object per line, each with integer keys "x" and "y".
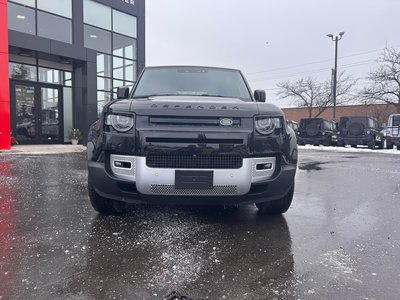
{"x": 84, "y": 60}
{"x": 380, "y": 112}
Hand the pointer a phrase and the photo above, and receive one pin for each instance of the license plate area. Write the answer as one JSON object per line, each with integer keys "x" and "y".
{"x": 202, "y": 180}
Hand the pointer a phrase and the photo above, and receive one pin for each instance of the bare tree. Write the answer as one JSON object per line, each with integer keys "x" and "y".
{"x": 312, "y": 94}
{"x": 384, "y": 84}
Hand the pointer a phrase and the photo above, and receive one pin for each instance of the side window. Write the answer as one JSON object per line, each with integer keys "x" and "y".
{"x": 370, "y": 123}
{"x": 343, "y": 122}
{"x": 396, "y": 121}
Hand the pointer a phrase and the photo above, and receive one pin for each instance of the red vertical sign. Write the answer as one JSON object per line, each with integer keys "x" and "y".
{"x": 5, "y": 139}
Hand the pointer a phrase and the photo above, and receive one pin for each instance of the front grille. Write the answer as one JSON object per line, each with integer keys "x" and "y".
{"x": 194, "y": 161}
{"x": 218, "y": 190}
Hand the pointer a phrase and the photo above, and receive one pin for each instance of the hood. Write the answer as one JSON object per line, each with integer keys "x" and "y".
{"x": 194, "y": 106}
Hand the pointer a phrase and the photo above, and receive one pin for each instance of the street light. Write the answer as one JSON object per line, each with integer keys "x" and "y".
{"x": 335, "y": 39}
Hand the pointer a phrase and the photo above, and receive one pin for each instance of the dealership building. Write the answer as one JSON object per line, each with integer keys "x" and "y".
{"x": 61, "y": 61}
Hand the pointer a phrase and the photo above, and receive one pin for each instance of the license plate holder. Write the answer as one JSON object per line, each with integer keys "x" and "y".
{"x": 202, "y": 180}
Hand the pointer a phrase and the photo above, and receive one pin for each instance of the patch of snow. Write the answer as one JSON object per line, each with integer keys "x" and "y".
{"x": 339, "y": 263}
{"x": 180, "y": 258}
{"x": 348, "y": 149}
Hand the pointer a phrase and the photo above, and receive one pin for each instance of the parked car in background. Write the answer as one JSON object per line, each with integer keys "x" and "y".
{"x": 360, "y": 130}
{"x": 317, "y": 131}
{"x": 294, "y": 125}
{"x": 393, "y": 132}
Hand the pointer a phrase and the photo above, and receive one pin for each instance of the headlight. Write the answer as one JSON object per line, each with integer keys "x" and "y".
{"x": 266, "y": 125}
{"x": 121, "y": 123}
{"x": 368, "y": 131}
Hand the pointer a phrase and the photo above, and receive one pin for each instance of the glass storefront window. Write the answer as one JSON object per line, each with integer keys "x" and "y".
{"x": 55, "y": 28}
{"x": 67, "y": 112}
{"x": 124, "y": 23}
{"x": 49, "y": 76}
{"x": 21, "y": 18}
{"x": 49, "y": 114}
{"x": 113, "y": 36}
{"x": 118, "y": 62}
{"x": 129, "y": 73}
{"x": 128, "y": 83}
{"x": 102, "y": 99}
{"x": 26, "y": 117}
{"x": 59, "y": 7}
{"x": 117, "y": 83}
{"x": 97, "y": 39}
{"x": 124, "y": 69}
{"x": 97, "y": 14}
{"x": 104, "y": 65}
{"x": 103, "y": 84}
{"x": 124, "y": 46}
{"x": 68, "y": 79}
{"x": 22, "y": 72}
{"x": 25, "y": 2}
{"x": 55, "y": 76}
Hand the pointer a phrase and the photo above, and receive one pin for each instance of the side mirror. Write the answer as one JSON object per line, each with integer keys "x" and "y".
{"x": 259, "y": 95}
{"x": 122, "y": 92}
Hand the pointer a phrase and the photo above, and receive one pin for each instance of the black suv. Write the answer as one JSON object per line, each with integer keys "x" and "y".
{"x": 191, "y": 135}
{"x": 317, "y": 131}
{"x": 360, "y": 130}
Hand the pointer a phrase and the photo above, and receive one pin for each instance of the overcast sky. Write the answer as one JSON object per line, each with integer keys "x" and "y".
{"x": 272, "y": 41}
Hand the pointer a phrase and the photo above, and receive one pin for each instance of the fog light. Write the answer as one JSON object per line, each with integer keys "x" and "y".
{"x": 122, "y": 164}
{"x": 264, "y": 166}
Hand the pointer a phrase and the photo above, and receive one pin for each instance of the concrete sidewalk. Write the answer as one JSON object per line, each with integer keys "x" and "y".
{"x": 44, "y": 149}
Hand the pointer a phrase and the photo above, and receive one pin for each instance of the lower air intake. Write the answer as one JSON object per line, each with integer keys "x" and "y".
{"x": 218, "y": 190}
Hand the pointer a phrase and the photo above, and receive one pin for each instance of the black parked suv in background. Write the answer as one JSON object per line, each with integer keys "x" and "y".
{"x": 317, "y": 131}
{"x": 360, "y": 130}
{"x": 393, "y": 131}
{"x": 191, "y": 135}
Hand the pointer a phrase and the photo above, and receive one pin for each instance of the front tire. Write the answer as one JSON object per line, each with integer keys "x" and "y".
{"x": 328, "y": 142}
{"x": 371, "y": 145}
{"x": 277, "y": 207}
{"x": 104, "y": 205}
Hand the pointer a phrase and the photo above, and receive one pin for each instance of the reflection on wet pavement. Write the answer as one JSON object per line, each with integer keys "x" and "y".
{"x": 332, "y": 244}
{"x": 55, "y": 247}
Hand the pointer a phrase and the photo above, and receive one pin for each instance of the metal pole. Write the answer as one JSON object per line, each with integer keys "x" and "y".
{"x": 335, "y": 79}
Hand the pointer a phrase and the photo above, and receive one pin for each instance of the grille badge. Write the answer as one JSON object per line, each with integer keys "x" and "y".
{"x": 226, "y": 122}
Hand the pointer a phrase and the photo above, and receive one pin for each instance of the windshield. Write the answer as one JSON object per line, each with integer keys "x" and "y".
{"x": 305, "y": 122}
{"x": 346, "y": 121}
{"x": 192, "y": 81}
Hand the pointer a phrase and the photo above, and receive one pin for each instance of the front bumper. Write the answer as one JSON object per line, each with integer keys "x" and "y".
{"x": 393, "y": 140}
{"x": 312, "y": 140}
{"x": 139, "y": 183}
{"x": 357, "y": 140}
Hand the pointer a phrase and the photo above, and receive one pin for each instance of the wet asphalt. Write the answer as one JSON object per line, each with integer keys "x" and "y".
{"x": 339, "y": 240}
